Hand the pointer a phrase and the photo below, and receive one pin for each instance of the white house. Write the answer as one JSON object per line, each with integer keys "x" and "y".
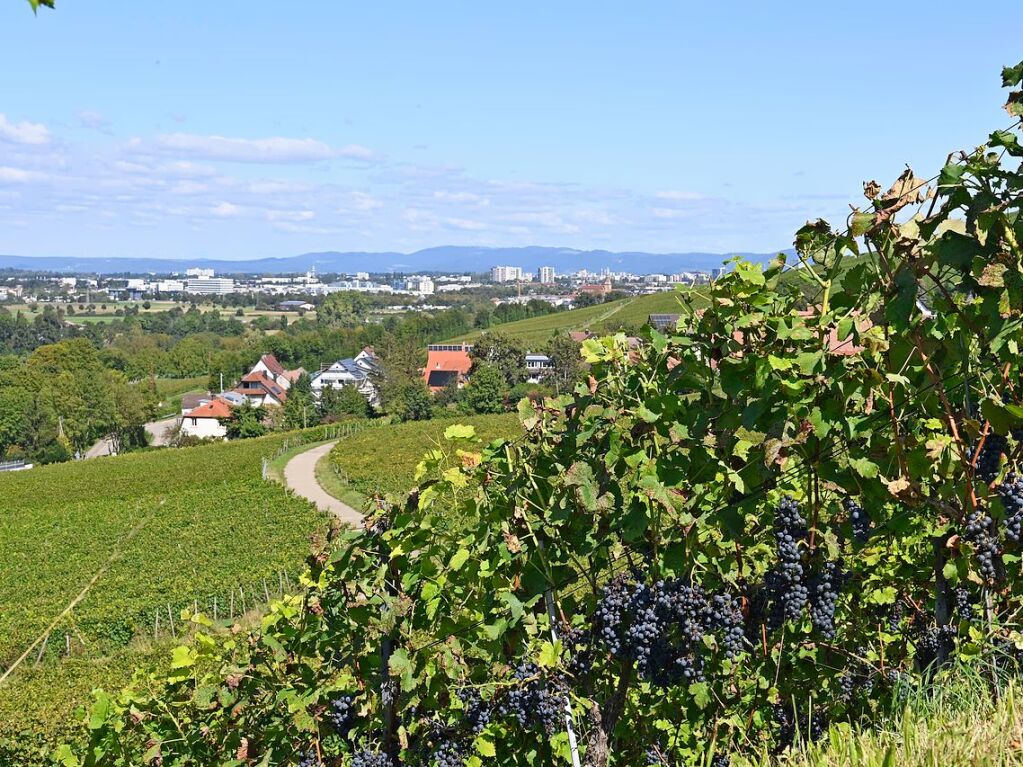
{"x": 537, "y": 365}
{"x": 357, "y": 372}
{"x": 261, "y": 389}
{"x": 269, "y": 365}
{"x": 207, "y": 420}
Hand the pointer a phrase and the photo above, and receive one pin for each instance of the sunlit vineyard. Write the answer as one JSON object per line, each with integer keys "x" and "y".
{"x": 161, "y": 529}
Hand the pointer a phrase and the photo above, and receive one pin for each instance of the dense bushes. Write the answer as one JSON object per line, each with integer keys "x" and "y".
{"x": 723, "y": 541}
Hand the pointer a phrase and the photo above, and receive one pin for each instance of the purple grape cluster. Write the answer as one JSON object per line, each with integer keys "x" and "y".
{"x": 963, "y": 603}
{"x": 661, "y": 627}
{"x": 824, "y": 587}
{"x": 1011, "y": 493}
{"x": 990, "y": 458}
{"x": 476, "y": 714}
{"x": 368, "y": 758}
{"x": 342, "y": 714}
{"x": 979, "y": 531}
{"x": 535, "y": 701}
{"x": 858, "y": 518}
{"x": 787, "y": 581}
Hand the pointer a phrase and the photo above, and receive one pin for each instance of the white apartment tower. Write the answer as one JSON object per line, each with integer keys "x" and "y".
{"x": 545, "y": 275}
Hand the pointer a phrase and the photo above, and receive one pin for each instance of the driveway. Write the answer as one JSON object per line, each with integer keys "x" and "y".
{"x": 300, "y": 476}
{"x": 160, "y": 433}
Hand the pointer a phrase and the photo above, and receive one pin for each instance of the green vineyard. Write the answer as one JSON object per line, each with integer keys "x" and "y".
{"x": 135, "y": 539}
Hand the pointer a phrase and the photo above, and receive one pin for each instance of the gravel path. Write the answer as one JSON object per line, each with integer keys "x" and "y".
{"x": 300, "y": 476}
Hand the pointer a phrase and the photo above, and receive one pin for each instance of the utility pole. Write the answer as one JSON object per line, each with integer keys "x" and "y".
{"x": 221, "y": 383}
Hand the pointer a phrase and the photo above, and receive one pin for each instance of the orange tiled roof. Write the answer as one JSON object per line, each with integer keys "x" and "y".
{"x": 215, "y": 408}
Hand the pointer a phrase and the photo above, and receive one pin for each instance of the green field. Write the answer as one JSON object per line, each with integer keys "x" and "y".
{"x": 384, "y": 460}
{"x": 629, "y": 313}
{"x": 156, "y": 529}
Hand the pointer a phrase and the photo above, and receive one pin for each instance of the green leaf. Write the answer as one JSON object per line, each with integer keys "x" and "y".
{"x": 646, "y": 414}
{"x": 399, "y": 662}
{"x": 182, "y": 657}
{"x": 700, "y": 693}
{"x": 460, "y": 431}
{"x": 459, "y": 559}
{"x": 485, "y": 746}
{"x": 864, "y": 467}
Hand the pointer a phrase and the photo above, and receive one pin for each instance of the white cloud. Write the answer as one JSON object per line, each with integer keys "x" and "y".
{"x": 266, "y": 150}
{"x": 225, "y": 210}
{"x": 23, "y": 132}
{"x": 19, "y": 176}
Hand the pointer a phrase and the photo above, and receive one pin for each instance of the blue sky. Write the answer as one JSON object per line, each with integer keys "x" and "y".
{"x": 240, "y": 129}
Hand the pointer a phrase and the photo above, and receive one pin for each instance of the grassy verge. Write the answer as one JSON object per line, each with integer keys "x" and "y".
{"x": 384, "y": 460}
{"x": 959, "y": 722}
{"x": 329, "y": 480}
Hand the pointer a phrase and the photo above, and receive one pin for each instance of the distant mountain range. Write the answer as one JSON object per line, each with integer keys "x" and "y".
{"x": 448, "y": 258}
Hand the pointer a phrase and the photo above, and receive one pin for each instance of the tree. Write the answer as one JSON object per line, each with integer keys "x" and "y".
{"x": 246, "y": 421}
{"x": 485, "y": 390}
{"x": 342, "y": 310}
{"x": 299, "y": 410}
{"x": 413, "y": 401}
{"x": 566, "y": 360}
{"x": 505, "y": 353}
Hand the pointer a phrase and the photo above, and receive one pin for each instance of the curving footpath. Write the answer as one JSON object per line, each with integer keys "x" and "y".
{"x": 300, "y": 476}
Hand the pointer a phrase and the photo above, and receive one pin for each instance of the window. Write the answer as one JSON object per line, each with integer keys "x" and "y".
{"x": 195, "y": 422}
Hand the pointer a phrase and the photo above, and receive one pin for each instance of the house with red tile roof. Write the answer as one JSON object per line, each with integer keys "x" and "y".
{"x": 207, "y": 420}
{"x": 446, "y": 364}
{"x": 270, "y": 365}
{"x": 261, "y": 389}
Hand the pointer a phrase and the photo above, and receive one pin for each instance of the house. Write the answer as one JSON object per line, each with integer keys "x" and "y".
{"x": 358, "y": 372}
{"x": 192, "y": 401}
{"x": 269, "y": 365}
{"x": 580, "y": 335}
{"x": 261, "y": 389}
{"x": 663, "y": 322}
{"x": 296, "y": 306}
{"x": 599, "y": 289}
{"x": 446, "y": 364}
{"x": 207, "y": 420}
{"x": 537, "y": 366}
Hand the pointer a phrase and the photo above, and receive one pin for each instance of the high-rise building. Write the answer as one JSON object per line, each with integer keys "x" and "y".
{"x": 545, "y": 275}
{"x": 209, "y": 286}
{"x": 506, "y": 273}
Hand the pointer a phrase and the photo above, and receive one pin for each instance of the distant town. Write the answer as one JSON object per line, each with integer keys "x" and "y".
{"x": 298, "y": 292}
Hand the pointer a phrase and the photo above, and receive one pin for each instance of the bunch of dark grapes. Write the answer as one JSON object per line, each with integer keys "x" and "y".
{"x": 579, "y": 643}
{"x": 963, "y": 603}
{"x": 371, "y": 759}
{"x": 476, "y": 714}
{"x": 978, "y": 532}
{"x": 309, "y": 759}
{"x": 990, "y": 457}
{"x": 824, "y": 588}
{"x": 653, "y": 758}
{"x": 534, "y": 701}
{"x": 932, "y": 642}
{"x": 789, "y": 531}
{"x": 846, "y": 686}
{"x": 613, "y": 613}
{"x": 784, "y": 719}
{"x": 896, "y": 615}
{"x": 1011, "y": 493}
{"x": 726, "y": 616}
{"x": 789, "y": 723}
{"x": 448, "y": 753}
{"x": 720, "y": 760}
{"x": 342, "y": 714}
{"x": 858, "y": 518}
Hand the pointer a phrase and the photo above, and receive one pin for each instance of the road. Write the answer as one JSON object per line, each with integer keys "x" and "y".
{"x": 160, "y": 433}
{"x": 300, "y": 476}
